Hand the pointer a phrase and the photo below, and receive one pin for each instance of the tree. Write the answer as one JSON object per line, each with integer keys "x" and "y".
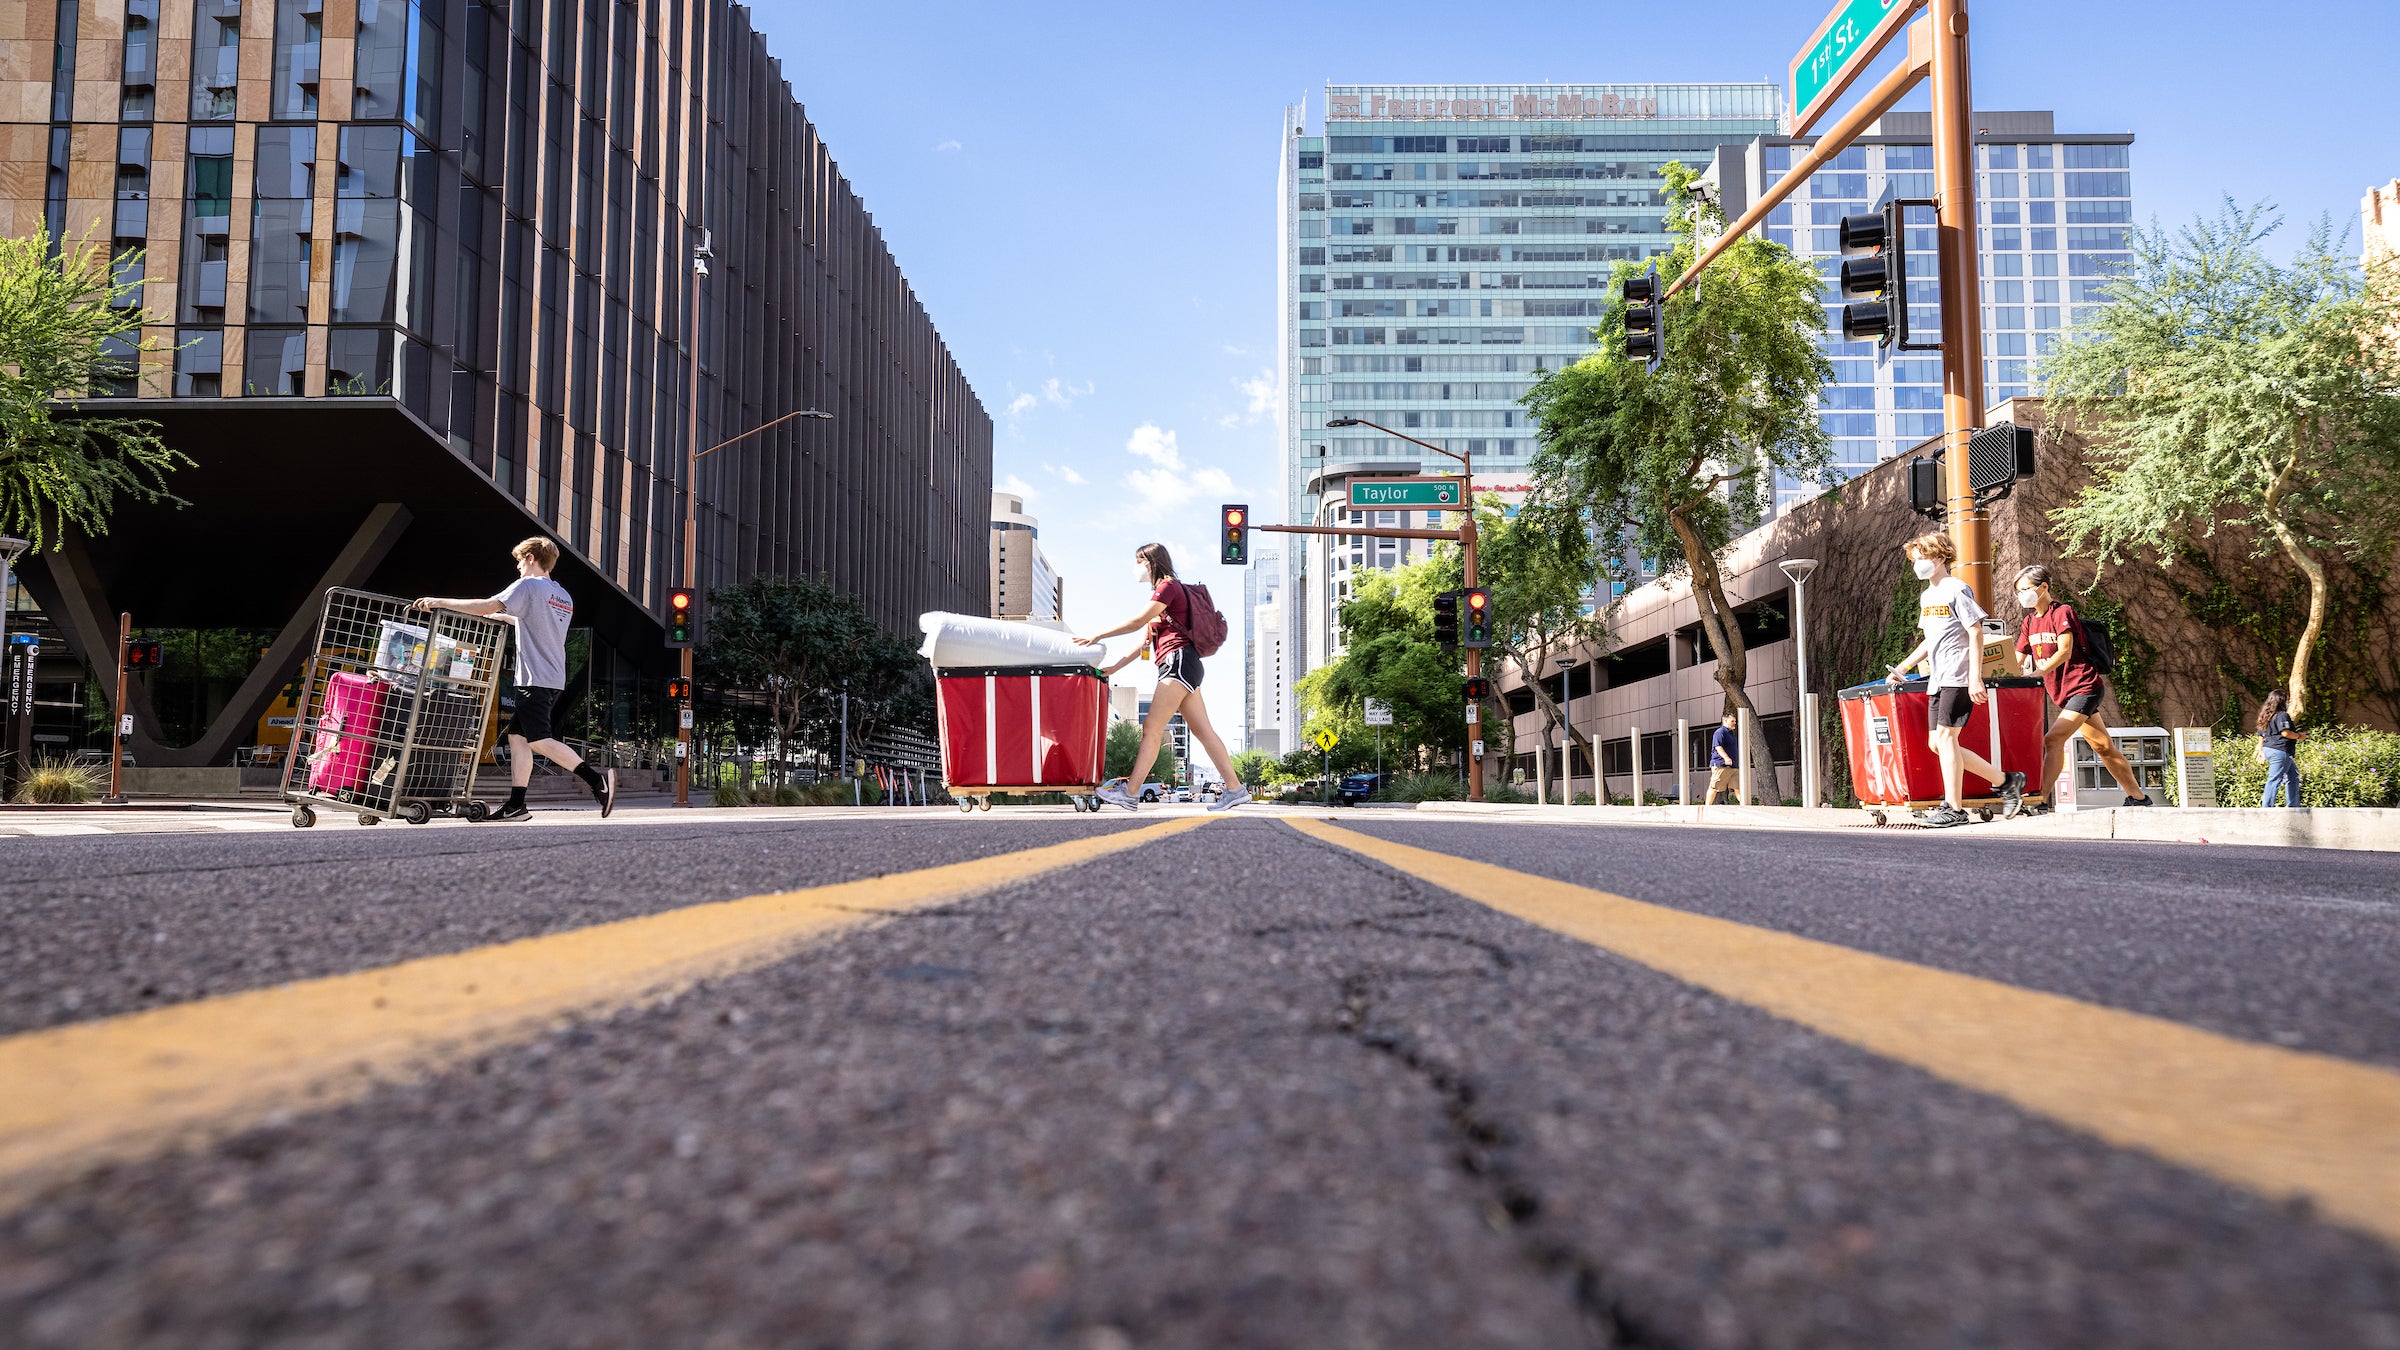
{"x": 1256, "y": 768}
{"x": 797, "y": 639}
{"x": 1680, "y": 462}
{"x": 890, "y": 687}
{"x": 1124, "y": 742}
{"x": 2220, "y": 387}
{"x": 1388, "y": 654}
{"x": 67, "y": 327}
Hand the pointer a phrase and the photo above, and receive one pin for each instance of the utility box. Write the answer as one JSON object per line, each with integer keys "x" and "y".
{"x": 2195, "y": 767}
{"x": 2148, "y": 749}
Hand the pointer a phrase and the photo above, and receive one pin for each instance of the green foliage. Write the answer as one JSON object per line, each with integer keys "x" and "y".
{"x": 1423, "y": 787}
{"x": 58, "y": 782}
{"x": 802, "y": 641}
{"x": 1390, "y": 655}
{"x": 1125, "y": 742}
{"x": 2339, "y": 766}
{"x": 68, "y": 327}
{"x": 2222, "y": 387}
{"x": 1255, "y": 768}
{"x": 729, "y": 794}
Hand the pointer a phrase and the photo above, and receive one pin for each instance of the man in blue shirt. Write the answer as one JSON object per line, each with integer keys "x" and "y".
{"x": 1724, "y": 761}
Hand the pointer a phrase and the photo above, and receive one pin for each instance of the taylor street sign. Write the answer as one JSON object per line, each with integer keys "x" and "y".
{"x": 1840, "y": 48}
{"x": 1441, "y": 493}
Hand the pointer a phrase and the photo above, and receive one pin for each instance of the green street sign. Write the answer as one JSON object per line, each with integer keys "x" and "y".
{"x": 1389, "y": 492}
{"x": 1840, "y": 48}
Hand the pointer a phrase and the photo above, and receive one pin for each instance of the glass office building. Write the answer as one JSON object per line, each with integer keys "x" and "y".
{"x": 1439, "y": 244}
{"x": 2052, "y": 212}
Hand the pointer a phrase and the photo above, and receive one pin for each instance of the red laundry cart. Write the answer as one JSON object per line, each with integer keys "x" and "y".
{"x": 1885, "y": 728}
{"x": 1023, "y": 729}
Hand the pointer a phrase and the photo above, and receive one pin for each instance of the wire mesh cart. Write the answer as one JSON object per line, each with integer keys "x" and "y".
{"x": 393, "y": 706}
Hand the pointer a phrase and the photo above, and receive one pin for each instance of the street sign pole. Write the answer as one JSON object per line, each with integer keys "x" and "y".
{"x": 124, "y": 719}
{"x": 1962, "y": 307}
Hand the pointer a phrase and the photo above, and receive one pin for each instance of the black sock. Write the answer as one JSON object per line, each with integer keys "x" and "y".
{"x": 516, "y": 796}
{"x": 590, "y": 777}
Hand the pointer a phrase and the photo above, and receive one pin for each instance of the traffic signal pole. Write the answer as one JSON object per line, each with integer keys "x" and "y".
{"x": 116, "y": 724}
{"x": 1962, "y": 292}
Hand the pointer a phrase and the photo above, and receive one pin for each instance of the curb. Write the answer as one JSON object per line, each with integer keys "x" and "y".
{"x": 2361, "y": 829}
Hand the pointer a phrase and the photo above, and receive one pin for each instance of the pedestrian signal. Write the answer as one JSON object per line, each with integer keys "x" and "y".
{"x": 141, "y": 654}
{"x": 1645, "y": 320}
{"x": 1445, "y": 620}
{"x": 683, "y": 617}
{"x": 679, "y": 690}
{"x": 1236, "y": 536}
{"x": 1478, "y": 689}
{"x": 1478, "y": 619}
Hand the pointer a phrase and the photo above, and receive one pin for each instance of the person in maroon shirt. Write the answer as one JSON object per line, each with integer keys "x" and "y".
{"x": 2049, "y": 649}
{"x": 1166, "y": 620}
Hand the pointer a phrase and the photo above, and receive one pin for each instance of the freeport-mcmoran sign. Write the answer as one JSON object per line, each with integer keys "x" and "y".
{"x": 1511, "y": 107}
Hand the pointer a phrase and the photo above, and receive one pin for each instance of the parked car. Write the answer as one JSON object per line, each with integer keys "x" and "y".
{"x": 1357, "y": 787}
{"x": 1154, "y": 792}
{"x": 1181, "y": 794}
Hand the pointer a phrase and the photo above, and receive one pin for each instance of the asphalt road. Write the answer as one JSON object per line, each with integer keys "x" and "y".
{"x": 1236, "y": 1086}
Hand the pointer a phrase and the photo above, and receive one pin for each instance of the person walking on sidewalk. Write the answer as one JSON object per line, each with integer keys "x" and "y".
{"x": 2052, "y": 645}
{"x": 1952, "y": 652}
{"x": 2279, "y": 746}
{"x": 1725, "y": 760}
{"x": 542, "y": 611}
{"x": 1167, "y": 620}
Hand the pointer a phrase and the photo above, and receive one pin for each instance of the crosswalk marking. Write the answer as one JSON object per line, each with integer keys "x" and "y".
{"x": 2279, "y": 1122}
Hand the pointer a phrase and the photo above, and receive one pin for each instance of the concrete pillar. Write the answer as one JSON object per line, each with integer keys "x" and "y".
{"x": 1636, "y": 745}
{"x": 1683, "y": 761}
{"x": 1744, "y": 729}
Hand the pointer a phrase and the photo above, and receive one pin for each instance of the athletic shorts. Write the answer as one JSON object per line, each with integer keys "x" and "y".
{"x": 529, "y": 713}
{"x": 2082, "y": 705}
{"x": 1951, "y": 706}
{"x": 1181, "y": 665}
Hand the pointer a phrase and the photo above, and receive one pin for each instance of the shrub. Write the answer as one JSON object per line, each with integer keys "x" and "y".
{"x": 58, "y": 782}
{"x": 1422, "y": 787}
{"x": 790, "y": 794}
{"x": 1507, "y": 795}
{"x": 2339, "y": 766}
{"x": 729, "y": 794}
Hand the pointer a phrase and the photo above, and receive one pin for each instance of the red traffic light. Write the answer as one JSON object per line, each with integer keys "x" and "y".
{"x": 1234, "y": 516}
{"x": 680, "y": 599}
{"x": 682, "y": 617}
{"x": 1477, "y": 599}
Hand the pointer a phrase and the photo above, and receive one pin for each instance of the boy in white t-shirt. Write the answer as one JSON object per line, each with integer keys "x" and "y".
{"x": 1952, "y": 624}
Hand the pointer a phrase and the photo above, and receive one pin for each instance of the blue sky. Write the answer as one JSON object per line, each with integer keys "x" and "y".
{"x": 1084, "y": 195}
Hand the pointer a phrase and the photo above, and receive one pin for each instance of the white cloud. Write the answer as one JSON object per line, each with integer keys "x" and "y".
{"x": 1261, "y": 392}
{"x": 1064, "y": 393}
{"x": 1151, "y": 442}
{"x": 1160, "y": 490}
{"x": 1022, "y": 404}
{"x": 948, "y": 148}
{"x": 1170, "y": 483}
{"x": 1017, "y": 486}
{"x": 1066, "y": 471}
{"x": 1214, "y": 479}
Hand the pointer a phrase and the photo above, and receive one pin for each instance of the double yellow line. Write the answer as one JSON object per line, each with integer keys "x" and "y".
{"x": 2276, "y": 1121}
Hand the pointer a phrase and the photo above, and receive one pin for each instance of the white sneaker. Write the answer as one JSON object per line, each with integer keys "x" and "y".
{"x": 1226, "y": 801}
{"x": 1117, "y": 796}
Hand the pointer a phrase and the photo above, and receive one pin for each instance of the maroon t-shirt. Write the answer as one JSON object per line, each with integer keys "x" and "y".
{"x": 1166, "y": 631}
{"x": 2076, "y": 676}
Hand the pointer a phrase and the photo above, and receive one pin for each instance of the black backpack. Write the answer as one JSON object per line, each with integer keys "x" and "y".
{"x": 2094, "y": 642}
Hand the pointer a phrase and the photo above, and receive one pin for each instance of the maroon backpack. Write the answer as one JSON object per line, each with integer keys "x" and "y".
{"x": 1207, "y": 628}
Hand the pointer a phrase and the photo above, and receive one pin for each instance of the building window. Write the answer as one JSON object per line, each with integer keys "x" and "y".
{"x": 216, "y": 58}
{"x": 299, "y": 34}
{"x": 208, "y": 218}
{"x": 283, "y": 217}
{"x": 358, "y": 361}
{"x": 199, "y": 362}
{"x": 278, "y": 362}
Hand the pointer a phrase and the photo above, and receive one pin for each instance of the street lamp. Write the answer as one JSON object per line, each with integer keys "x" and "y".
{"x": 1566, "y": 750}
{"x": 691, "y": 501}
{"x": 1798, "y": 569}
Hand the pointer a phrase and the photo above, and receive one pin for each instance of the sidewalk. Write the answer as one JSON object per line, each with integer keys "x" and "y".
{"x": 2366, "y": 829}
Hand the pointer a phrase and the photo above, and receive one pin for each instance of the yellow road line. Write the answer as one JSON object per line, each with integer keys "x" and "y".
{"x": 2279, "y": 1122}
{"x": 124, "y": 1087}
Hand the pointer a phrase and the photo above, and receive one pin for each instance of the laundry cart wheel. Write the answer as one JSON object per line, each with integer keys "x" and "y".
{"x": 302, "y": 817}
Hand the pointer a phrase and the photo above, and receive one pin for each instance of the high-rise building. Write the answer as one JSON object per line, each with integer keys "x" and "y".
{"x": 1262, "y": 651}
{"x": 2053, "y": 209}
{"x": 1440, "y": 244}
{"x": 1024, "y": 586}
{"x": 425, "y": 277}
{"x": 2379, "y": 214}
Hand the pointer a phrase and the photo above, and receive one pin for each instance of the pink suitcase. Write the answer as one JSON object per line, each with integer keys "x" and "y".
{"x": 345, "y": 746}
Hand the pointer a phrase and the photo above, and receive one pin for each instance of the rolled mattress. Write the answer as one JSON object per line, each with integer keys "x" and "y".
{"x": 955, "y": 640}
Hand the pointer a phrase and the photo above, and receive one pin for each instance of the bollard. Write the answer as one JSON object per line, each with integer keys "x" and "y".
{"x": 1636, "y": 744}
{"x": 1743, "y": 727}
{"x": 1683, "y": 761}
{"x": 1808, "y": 751}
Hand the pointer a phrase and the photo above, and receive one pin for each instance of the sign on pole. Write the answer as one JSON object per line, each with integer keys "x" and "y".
{"x": 1841, "y": 47}
{"x": 1379, "y": 713}
{"x": 1325, "y": 739}
{"x": 1439, "y": 493}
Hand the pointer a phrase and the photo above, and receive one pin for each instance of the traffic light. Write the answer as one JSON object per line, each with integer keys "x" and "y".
{"x": 1478, "y": 617}
{"x": 1236, "y": 539}
{"x": 680, "y": 690}
{"x": 683, "y": 617}
{"x": 1645, "y": 320}
{"x": 1445, "y": 620}
{"x": 141, "y": 654}
{"x": 1881, "y": 272}
{"x": 1478, "y": 689}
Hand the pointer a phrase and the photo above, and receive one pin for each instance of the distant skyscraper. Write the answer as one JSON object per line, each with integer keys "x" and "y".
{"x": 2053, "y": 208}
{"x": 1262, "y": 676}
{"x": 1023, "y": 585}
{"x": 1439, "y": 245}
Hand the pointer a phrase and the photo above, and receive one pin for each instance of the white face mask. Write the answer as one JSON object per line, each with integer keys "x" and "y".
{"x": 1924, "y": 567}
{"x": 2029, "y": 598}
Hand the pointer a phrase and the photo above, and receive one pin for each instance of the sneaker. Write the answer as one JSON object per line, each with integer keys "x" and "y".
{"x": 2145, "y": 800}
{"x": 1228, "y": 800}
{"x": 2012, "y": 795}
{"x": 1942, "y": 818}
{"x": 1117, "y": 796}
{"x": 516, "y": 811}
{"x": 606, "y": 793}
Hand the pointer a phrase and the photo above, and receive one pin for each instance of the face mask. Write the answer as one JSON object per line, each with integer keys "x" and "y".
{"x": 1924, "y": 568}
{"x": 2029, "y": 598}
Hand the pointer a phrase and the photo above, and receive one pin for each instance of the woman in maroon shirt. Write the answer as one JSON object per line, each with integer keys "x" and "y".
{"x": 2047, "y": 644}
{"x": 1167, "y": 618}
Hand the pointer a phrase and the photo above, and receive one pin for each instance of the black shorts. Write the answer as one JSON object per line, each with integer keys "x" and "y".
{"x": 1181, "y": 665}
{"x": 528, "y": 710}
{"x": 1951, "y": 707}
{"x": 2082, "y": 705}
